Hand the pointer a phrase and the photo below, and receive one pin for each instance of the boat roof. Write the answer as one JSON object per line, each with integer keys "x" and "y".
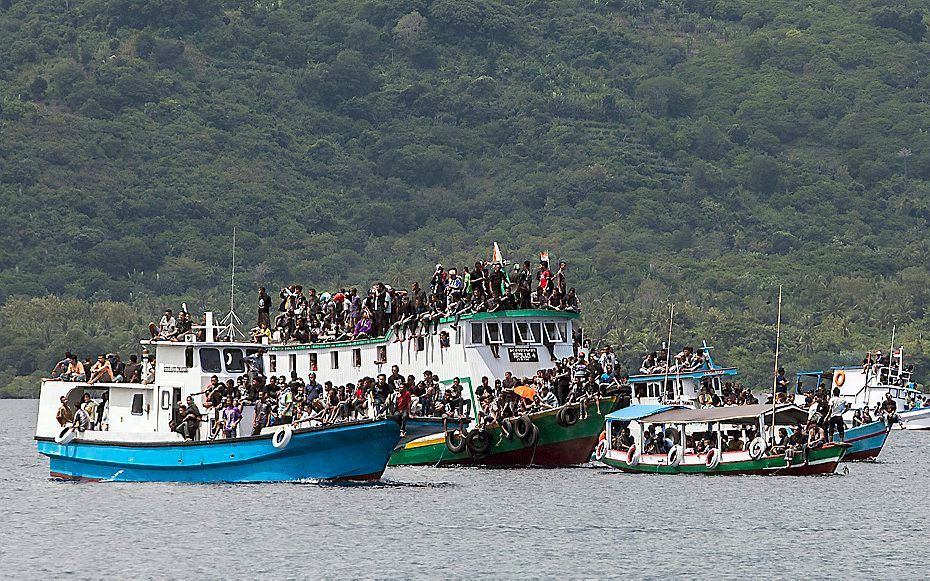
{"x": 696, "y": 374}
{"x": 638, "y": 411}
{"x": 742, "y": 414}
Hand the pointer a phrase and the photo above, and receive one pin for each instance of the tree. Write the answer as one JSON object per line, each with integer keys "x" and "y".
{"x": 764, "y": 175}
{"x": 409, "y": 28}
{"x": 665, "y": 96}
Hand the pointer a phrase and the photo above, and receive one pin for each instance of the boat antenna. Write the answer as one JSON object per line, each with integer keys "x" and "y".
{"x": 231, "y": 320}
{"x": 668, "y": 346}
{"x": 775, "y": 375}
{"x": 894, "y": 327}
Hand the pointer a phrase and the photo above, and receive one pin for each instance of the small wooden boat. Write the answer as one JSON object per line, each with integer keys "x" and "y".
{"x": 683, "y": 426}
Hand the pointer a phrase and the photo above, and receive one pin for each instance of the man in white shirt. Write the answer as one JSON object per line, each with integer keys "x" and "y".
{"x": 167, "y": 327}
{"x": 838, "y": 407}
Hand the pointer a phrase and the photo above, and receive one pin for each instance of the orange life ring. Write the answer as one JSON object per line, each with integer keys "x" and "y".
{"x": 603, "y": 436}
{"x": 839, "y": 379}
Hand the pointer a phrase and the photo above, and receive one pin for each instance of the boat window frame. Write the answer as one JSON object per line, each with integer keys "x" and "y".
{"x": 491, "y": 340}
{"x": 520, "y": 333}
{"x": 314, "y": 361}
{"x": 165, "y": 399}
{"x": 357, "y": 357}
{"x": 537, "y": 331}
{"x": 545, "y": 329}
{"x": 272, "y": 364}
{"x": 140, "y": 398}
{"x": 219, "y": 360}
{"x": 563, "y": 331}
{"x": 334, "y": 359}
{"x": 504, "y": 332}
{"x": 477, "y": 338}
{"x": 228, "y": 352}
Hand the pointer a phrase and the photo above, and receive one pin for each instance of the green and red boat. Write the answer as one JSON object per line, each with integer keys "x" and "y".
{"x": 683, "y": 427}
{"x": 554, "y": 437}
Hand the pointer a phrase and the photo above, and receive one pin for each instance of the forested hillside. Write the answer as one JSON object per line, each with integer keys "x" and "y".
{"x": 699, "y": 152}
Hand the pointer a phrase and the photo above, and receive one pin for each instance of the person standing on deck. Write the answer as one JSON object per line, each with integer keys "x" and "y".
{"x": 838, "y": 407}
{"x": 264, "y": 307}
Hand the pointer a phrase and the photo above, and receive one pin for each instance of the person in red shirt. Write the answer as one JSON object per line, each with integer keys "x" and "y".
{"x": 543, "y": 277}
{"x": 403, "y": 408}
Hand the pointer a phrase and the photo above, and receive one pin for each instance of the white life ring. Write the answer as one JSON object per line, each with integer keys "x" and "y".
{"x": 632, "y": 456}
{"x": 712, "y": 460}
{"x": 65, "y": 436}
{"x": 601, "y": 450}
{"x": 282, "y": 436}
{"x": 674, "y": 456}
{"x": 756, "y": 448}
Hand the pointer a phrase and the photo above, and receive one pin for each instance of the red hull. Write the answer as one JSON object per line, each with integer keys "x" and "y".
{"x": 864, "y": 455}
{"x": 567, "y": 453}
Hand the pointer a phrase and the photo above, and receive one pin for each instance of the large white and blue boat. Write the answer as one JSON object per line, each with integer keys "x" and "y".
{"x": 138, "y": 443}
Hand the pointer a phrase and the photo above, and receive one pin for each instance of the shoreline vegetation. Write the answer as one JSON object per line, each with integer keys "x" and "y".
{"x": 693, "y": 152}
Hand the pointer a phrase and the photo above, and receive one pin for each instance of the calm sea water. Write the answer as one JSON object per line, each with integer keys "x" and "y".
{"x": 439, "y": 523}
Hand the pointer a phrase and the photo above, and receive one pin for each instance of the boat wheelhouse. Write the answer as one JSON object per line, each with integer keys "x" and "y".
{"x": 681, "y": 387}
{"x": 867, "y": 386}
{"x": 685, "y": 426}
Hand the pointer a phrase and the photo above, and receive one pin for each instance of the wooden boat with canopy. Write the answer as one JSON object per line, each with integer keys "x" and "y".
{"x": 735, "y": 446}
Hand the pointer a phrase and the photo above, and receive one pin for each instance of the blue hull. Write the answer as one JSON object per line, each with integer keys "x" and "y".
{"x": 865, "y": 441}
{"x": 343, "y": 452}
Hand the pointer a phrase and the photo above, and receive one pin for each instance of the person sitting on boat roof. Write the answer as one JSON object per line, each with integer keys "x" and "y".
{"x": 102, "y": 371}
{"x": 167, "y": 326}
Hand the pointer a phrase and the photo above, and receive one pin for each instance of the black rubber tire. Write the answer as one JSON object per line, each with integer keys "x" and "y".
{"x": 455, "y": 442}
{"x": 478, "y": 442}
{"x": 568, "y": 416}
{"x": 533, "y": 437}
{"x": 507, "y": 428}
{"x": 522, "y": 427}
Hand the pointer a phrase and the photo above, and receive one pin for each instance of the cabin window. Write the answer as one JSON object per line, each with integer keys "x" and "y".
{"x": 136, "y": 409}
{"x": 382, "y": 354}
{"x": 536, "y": 328}
{"x": 525, "y": 333}
{"x": 552, "y": 333}
{"x": 356, "y": 358}
{"x": 272, "y": 363}
{"x": 494, "y": 333}
{"x": 210, "y": 361}
{"x": 458, "y": 335}
{"x": 166, "y": 400}
{"x": 334, "y": 359}
{"x": 189, "y": 357}
{"x": 563, "y": 331}
{"x": 292, "y": 361}
{"x": 507, "y": 333}
{"x": 418, "y": 344}
{"x": 477, "y": 333}
{"x": 233, "y": 360}
{"x": 314, "y": 362}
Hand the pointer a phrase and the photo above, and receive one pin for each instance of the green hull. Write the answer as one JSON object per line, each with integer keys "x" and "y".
{"x": 557, "y": 445}
{"x": 821, "y": 461}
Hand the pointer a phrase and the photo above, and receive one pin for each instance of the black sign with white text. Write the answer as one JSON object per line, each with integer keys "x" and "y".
{"x": 523, "y": 355}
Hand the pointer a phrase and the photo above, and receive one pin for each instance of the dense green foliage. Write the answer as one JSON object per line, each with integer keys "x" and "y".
{"x": 700, "y": 152}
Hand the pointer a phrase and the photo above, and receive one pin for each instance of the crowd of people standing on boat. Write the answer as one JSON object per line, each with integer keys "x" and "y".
{"x": 347, "y": 313}
{"x": 278, "y": 399}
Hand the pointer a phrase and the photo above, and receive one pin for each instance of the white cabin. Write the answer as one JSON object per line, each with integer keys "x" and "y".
{"x": 483, "y": 344}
